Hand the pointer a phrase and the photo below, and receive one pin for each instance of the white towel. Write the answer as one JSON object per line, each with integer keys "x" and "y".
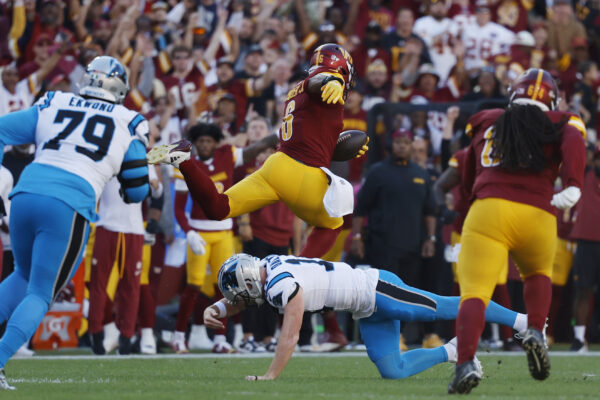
{"x": 339, "y": 197}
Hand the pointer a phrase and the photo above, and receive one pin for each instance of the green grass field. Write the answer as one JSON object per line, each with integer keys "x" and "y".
{"x": 343, "y": 377}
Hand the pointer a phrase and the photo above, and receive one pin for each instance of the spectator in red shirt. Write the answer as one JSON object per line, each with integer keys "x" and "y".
{"x": 370, "y": 49}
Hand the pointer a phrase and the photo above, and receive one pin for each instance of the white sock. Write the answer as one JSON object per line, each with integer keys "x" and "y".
{"x": 197, "y": 329}
{"x": 147, "y": 332}
{"x": 219, "y": 339}
{"x": 179, "y": 336}
{"x": 451, "y": 350}
{"x": 579, "y": 331}
{"x": 520, "y": 322}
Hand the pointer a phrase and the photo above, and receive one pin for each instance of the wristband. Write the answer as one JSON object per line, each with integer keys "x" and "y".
{"x": 222, "y": 309}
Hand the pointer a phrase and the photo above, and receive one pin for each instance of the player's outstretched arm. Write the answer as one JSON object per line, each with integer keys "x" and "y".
{"x": 290, "y": 332}
{"x": 330, "y": 85}
{"x": 219, "y": 310}
{"x": 252, "y": 151}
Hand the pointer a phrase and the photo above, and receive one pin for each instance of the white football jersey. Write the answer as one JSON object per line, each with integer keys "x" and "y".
{"x": 483, "y": 42}
{"x": 21, "y": 98}
{"x": 86, "y": 137}
{"x": 116, "y": 215}
{"x": 438, "y": 35}
{"x": 325, "y": 284}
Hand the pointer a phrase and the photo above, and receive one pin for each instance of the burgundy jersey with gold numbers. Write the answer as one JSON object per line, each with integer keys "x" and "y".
{"x": 310, "y": 127}
{"x": 484, "y": 178}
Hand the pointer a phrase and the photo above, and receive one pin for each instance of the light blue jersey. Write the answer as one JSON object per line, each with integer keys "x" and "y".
{"x": 80, "y": 145}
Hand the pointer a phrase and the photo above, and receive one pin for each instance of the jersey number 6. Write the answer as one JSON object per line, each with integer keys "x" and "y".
{"x": 286, "y": 127}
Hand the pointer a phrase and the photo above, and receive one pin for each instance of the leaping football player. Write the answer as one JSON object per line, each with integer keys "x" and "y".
{"x": 377, "y": 298}
{"x": 311, "y": 125}
{"x": 510, "y": 169}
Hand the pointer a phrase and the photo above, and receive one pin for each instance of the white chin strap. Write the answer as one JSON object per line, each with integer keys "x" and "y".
{"x": 531, "y": 102}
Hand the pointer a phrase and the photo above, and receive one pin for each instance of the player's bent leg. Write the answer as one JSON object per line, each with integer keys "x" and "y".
{"x": 251, "y": 193}
{"x": 382, "y": 339}
{"x": 301, "y": 188}
{"x": 396, "y": 299}
{"x": 56, "y": 254}
{"x": 12, "y": 292}
{"x": 203, "y": 190}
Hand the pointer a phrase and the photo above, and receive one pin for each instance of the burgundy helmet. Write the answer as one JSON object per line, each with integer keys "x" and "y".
{"x": 534, "y": 86}
{"x": 331, "y": 56}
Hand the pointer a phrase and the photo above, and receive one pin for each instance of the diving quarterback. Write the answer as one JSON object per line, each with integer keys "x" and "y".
{"x": 308, "y": 135}
{"x": 82, "y": 142}
{"x": 510, "y": 169}
{"x": 377, "y": 298}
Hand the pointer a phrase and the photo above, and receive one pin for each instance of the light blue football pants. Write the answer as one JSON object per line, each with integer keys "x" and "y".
{"x": 48, "y": 240}
{"x": 396, "y": 301}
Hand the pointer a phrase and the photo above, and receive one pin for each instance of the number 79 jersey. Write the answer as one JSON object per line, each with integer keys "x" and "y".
{"x": 86, "y": 137}
{"x": 325, "y": 285}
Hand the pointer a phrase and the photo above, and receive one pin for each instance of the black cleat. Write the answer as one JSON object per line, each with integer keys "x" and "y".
{"x": 124, "y": 345}
{"x": 97, "y": 345}
{"x": 466, "y": 376}
{"x": 578, "y": 346}
{"x": 537, "y": 354}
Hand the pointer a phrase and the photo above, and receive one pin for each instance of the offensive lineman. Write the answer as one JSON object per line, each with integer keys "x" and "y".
{"x": 82, "y": 142}
{"x": 378, "y": 298}
{"x": 312, "y": 123}
{"x": 510, "y": 169}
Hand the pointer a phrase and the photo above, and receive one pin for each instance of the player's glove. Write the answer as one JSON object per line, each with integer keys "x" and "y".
{"x": 363, "y": 149}
{"x": 196, "y": 242}
{"x": 567, "y": 198}
{"x": 332, "y": 90}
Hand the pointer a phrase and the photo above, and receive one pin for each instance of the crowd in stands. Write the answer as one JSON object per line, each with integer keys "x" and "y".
{"x": 229, "y": 65}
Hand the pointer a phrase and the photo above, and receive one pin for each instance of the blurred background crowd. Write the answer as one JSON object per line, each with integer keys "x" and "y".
{"x": 226, "y": 66}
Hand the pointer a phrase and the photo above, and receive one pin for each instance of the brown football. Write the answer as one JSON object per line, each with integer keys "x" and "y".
{"x": 348, "y": 145}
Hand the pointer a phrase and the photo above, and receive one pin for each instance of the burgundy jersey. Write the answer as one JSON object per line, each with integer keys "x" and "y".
{"x": 587, "y": 212}
{"x": 185, "y": 90}
{"x": 460, "y": 193}
{"x": 310, "y": 127}
{"x": 484, "y": 178}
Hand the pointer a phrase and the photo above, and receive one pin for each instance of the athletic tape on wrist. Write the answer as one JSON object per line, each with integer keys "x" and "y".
{"x": 222, "y": 309}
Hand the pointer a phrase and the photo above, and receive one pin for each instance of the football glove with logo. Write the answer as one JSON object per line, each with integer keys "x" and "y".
{"x": 332, "y": 90}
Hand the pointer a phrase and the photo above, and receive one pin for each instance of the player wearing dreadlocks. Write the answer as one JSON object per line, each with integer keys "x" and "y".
{"x": 510, "y": 168}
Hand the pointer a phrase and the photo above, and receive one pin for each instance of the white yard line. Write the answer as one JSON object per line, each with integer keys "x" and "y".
{"x": 269, "y": 355}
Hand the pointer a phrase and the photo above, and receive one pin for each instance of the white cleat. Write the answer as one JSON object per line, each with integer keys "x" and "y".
{"x": 199, "y": 339}
{"x": 111, "y": 337}
{"x": 174, "y": 153}
{"x": 4, "y": 383}
{"x": 147, "y": 341}
{"x": 24, "y": 351}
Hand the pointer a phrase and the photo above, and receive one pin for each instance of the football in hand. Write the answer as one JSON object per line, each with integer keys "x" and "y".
{"x": 348, "y": 145}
